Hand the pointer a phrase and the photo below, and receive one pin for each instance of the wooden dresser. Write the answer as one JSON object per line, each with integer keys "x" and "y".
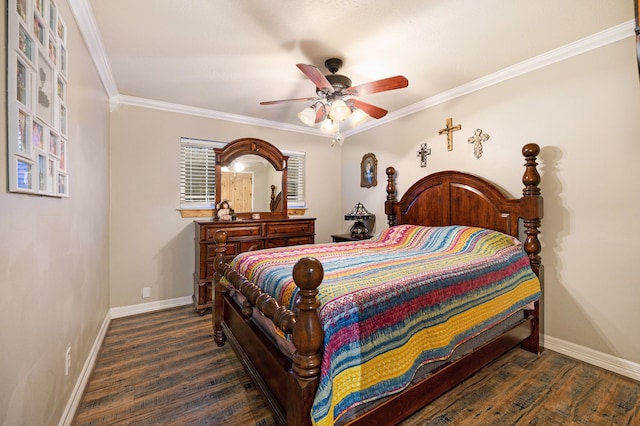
{"x": 244, "y": 235}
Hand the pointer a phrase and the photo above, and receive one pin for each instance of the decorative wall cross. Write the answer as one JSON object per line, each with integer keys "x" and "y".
{"x": 424, "y": 151}
{"x": 477, "y": 140}
{"x": 449, "y": 131}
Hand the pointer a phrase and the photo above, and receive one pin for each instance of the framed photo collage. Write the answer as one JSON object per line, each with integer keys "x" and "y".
{"x": 37, "y": 99}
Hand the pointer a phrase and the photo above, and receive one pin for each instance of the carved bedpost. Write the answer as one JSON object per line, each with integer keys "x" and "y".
{"x": 307, "y": 332}
{"x": 391, "y": 197}
{"x": 531, "y": 203}
{"x": 307, "y": 338}
{"x": 220, "y": 264}
{"x": 531, "y": 208}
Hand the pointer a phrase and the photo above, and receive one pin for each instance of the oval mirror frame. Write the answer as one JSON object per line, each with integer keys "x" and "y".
{"x": 239, "y": 147}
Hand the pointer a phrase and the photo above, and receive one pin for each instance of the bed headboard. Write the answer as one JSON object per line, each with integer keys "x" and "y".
{"x": 456, "y": 198}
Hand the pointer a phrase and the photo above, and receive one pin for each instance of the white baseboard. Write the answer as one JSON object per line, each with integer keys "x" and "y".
{"x": 608, "y": 362}
{"x": 85, "y": 374}
{"x": 125, "y": 311}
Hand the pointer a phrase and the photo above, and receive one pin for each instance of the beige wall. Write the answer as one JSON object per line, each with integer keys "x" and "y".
{"x": 151, "y": 244}
{"x": 584, "y": 112}
{"x": 54, "y": 276}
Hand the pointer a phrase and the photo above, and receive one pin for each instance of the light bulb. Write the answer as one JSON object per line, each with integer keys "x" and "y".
{"x": 327, "y": 126}
{"x": 358, "y": 117}
{"x": 339, "y": 110}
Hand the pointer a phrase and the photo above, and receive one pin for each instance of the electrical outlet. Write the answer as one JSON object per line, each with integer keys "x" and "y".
{"x": 67, "y": 364}
{"x": 146, "y": 292}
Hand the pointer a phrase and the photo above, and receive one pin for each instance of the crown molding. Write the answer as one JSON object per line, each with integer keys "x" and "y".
{"x": 83, "y": 14}
{"x": 84, "y": 17}
{"x": 208, "y": 113}
{"x": 586, "y": 44}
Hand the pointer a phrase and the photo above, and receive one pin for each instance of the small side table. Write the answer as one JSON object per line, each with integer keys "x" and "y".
{"x": 340, "y": 238}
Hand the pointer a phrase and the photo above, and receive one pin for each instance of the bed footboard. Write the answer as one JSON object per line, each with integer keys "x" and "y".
{"x": 290, "y": 387}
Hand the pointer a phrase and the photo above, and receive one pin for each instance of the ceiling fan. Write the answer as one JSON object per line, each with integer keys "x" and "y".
{"x": 336, "y": 98}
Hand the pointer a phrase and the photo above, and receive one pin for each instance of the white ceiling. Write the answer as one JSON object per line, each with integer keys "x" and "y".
{"x": 226, "y": 56}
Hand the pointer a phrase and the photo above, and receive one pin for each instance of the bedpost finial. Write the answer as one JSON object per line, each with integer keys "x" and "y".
{"x": 531, "y": 150}
{"x": 531, "y": 177}
{"x": 308, "y": 273}
{"x": 220, "y": 237}
{"x": 391, "y": 196}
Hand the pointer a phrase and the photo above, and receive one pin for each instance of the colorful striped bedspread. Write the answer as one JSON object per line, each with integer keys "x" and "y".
{"x": 394, "y": 303}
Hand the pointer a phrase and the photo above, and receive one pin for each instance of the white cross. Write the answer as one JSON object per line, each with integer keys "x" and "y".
{"x": 477, "y": 140}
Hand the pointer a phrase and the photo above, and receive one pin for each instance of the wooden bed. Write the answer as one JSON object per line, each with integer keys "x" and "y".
{"x": 440, "y": 199}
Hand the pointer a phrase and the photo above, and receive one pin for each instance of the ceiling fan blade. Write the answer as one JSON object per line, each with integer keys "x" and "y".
{"x": 372, "y": 110}
{"x": 314, "y": 74}
{"x": 390, "y": 83}
{"x": 288, "y": 100}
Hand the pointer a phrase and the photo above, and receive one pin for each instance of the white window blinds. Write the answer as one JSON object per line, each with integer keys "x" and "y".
{"x": 295, "y": 179}
{"x": 197, "y": 173}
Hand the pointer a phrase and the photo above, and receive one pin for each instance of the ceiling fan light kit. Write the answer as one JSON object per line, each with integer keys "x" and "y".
{"x": 336, "y": 100}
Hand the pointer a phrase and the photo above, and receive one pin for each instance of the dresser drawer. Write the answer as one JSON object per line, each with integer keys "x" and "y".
{"x": 288, "y": 228}
{"x": 294, "y": 241}
{"x": 210, "y": 250}
{"x": 234, "y": 231}
{"x": 276, "y": 242}
{"x": 250, "y": 245}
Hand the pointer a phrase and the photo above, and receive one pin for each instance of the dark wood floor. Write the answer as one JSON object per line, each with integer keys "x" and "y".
{"x": 163, "y": 368}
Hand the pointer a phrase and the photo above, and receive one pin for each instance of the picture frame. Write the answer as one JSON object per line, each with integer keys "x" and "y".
{"x": 37, "y": 132}
{"x": 43, "y": 174}
{"x": 26, "y": 44}
{"x": 25, "y": 170}
{"x": 369, "y": 171}
{"x": 45, "y": 97}
{"x": 37, "y": 83}
{"x": 23, "y": 83}
{"x": 24, "y": 133}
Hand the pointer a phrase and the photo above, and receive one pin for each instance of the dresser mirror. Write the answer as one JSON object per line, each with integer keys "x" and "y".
{"x": 246, "y": 170}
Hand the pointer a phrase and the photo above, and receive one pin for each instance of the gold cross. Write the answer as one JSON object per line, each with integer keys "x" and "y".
{"x": 449, "y": 131}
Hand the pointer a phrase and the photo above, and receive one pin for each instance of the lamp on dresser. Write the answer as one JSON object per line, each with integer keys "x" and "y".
{"x": 359, "y": 213}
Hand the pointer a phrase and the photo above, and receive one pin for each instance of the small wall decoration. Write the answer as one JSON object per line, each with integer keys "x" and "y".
{"x": 368, "y": 171}
{"x": 36, "y": 101}
{"x": 477, "y": 139}
{"x": 449, "y": 131}
{"x": 424, "y": 151}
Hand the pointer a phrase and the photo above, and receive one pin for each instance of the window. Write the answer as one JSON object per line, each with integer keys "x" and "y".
{"x": 198, "y": 173}
{"x": 295, "y": 179}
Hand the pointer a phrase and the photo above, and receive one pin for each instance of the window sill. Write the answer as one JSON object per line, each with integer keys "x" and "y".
{"x": 197, "y": 212}
{"x": 211, "y": 212}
